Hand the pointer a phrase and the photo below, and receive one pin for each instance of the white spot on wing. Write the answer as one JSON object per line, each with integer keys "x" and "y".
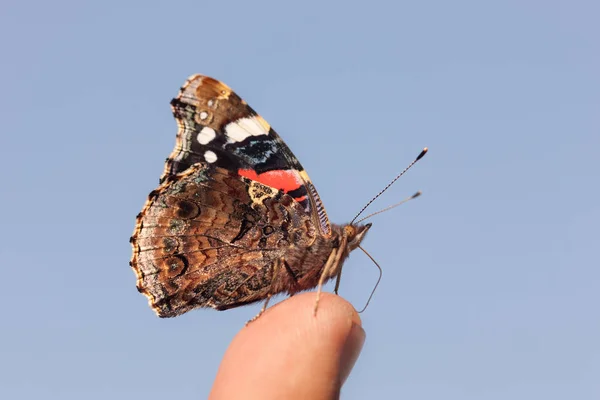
{"x": 210, "y": 156}
{"x": 243, "y": 128}
{"x": 206, "y": 135}
{"x": 203, "y": 115}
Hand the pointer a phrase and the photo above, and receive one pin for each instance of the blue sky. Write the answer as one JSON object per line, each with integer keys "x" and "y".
{"x": 491, "y": 279}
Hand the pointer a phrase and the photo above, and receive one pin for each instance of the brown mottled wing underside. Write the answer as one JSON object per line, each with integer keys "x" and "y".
{"x": 208, "y": 237}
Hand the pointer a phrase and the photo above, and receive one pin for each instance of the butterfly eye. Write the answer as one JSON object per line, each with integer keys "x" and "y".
{"x": 350, "y": 230}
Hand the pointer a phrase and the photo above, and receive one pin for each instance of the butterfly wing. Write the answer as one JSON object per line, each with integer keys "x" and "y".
{"x": 212, "y": 238}
{"x": 217, "y": 127}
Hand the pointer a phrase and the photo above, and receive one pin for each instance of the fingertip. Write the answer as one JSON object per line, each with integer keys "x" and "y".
{"x": 288, "y": 352}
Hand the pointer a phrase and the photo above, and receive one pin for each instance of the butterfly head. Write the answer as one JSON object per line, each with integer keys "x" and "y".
{"x": 355, "y": 234}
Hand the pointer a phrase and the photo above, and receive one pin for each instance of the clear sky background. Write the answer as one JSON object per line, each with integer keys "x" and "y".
{"x": 491, "y": 285}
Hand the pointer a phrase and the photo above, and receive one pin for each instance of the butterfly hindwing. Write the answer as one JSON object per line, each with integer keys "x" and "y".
{"x": 211, "y": 238}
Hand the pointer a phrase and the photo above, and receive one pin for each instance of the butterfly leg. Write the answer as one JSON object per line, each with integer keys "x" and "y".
{"x": 335, "y": 257}
{"x": 262, "y": 310}
{"x": 337, "y": 281}
{"x": 328, "y": 265}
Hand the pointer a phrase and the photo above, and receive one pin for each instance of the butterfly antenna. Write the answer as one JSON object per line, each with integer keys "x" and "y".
{"x": 414, "y": 196}
{"x": 378, "y": 279}
{"x": 391, "y": 183}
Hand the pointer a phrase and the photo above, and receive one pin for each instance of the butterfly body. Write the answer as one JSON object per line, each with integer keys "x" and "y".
{"x": 236, "y": 218}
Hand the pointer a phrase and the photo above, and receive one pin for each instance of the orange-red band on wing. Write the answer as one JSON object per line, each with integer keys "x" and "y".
{"x": 286, "y": 180}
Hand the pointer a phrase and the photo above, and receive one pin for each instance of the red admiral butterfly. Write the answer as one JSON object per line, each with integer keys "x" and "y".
{"x": 236, "y": 218}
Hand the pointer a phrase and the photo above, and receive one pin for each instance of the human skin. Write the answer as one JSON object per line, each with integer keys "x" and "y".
{"x": 288, "y": 353}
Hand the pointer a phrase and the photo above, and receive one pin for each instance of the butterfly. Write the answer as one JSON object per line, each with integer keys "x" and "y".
{"x": 236, "y": 219}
